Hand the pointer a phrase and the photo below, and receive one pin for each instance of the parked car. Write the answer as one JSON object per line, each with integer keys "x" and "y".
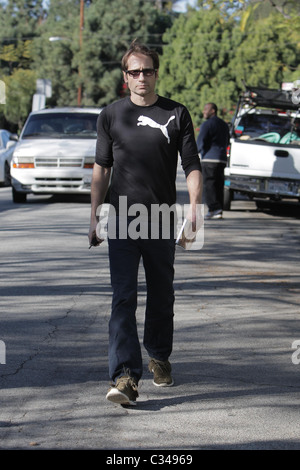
{"x": 55, "y": 153}
{"x": 7, "y": 144}
{"x": 264, "y": 151}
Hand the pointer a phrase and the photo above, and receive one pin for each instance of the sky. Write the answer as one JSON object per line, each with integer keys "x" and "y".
{"x": 181, "y": 6}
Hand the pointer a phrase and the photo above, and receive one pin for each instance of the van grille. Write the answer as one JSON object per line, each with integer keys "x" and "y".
{"x": 53, "y": 162}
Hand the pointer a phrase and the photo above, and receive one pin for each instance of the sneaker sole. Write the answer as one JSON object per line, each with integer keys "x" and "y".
{"x": 118, "y": 397}
{"x": 164, "y": 384}
{"x": 214, "y": 217}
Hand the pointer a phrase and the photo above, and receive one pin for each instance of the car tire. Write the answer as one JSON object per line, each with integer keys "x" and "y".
{"x": 227, "y": 198}
{"x": 18, "y": 197}
{"x": 7, "y": 177}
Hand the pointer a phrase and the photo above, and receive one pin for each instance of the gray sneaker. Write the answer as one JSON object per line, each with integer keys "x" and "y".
{"x": 218, "y": 214}
{"x": 162, "y": 373}
{"x": 124, "y": 392}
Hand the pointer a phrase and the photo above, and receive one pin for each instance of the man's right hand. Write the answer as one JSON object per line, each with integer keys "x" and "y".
{"x": 99, "y": 186}
{"x": 93, "y": 239}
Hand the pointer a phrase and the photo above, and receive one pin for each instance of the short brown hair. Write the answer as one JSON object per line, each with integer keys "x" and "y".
{"x": 138, "y": 48}
{"x": 214, "y": 107}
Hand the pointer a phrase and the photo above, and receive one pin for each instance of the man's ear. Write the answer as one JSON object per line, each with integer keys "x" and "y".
{"x": 125, "y": 77}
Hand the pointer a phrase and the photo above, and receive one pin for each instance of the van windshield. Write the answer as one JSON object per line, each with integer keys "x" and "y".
{"x": 61, "y": 125}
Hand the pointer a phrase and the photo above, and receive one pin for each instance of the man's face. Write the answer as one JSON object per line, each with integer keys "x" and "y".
{"x": 141, "y": 85}
{"x": 208, "y": 111}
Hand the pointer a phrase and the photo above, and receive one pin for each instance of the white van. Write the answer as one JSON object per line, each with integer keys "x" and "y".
{"x": 55, "y": 153}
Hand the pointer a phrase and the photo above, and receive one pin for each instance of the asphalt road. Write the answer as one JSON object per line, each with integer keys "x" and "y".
{"x": 235, "y": 360}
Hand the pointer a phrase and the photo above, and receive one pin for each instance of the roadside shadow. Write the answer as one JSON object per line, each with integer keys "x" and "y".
{"x": 279, "y": 208}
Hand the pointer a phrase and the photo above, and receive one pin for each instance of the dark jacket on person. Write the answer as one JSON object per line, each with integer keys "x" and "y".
{"x": 213, "y": 140}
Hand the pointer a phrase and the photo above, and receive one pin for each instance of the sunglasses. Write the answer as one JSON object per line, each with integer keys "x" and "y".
{"x": 145, "y": 72}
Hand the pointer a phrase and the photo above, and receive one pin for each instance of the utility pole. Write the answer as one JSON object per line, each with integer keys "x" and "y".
{"x": 79, "y": 93}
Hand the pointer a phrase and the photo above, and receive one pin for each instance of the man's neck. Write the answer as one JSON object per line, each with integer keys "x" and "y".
{"x": 147, "y": 100}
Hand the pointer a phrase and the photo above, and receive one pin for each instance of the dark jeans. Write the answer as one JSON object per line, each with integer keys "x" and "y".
{"x": 124, "y": 346}
{"x": 213, "y": 184}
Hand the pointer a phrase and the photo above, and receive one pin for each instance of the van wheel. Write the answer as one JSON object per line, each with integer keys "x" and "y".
{"x": 7, "y": 177}
{"x": 18, "y": 197}
{"x": 227, "y": 198}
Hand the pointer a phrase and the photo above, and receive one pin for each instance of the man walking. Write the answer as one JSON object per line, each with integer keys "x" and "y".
{"x": 140, "y": 137}
{"x": 212, "y": 143}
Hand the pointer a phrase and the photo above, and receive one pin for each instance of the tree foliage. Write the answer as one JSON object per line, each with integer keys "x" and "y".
{"x": 109, "y": 27}
{"x": 212, "y": 51}
{"x": 207, "y": 53}
{"x": 19, "y": 21}
{"x": 20, "y": 88}
{"x": 195, "y": 61}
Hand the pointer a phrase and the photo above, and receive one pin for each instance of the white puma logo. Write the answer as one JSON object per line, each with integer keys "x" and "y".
{"x": 146, "y": 121}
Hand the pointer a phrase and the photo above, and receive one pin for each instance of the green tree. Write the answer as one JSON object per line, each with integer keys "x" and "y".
{"x": 55, "y": 48}
{"x": 212, "y": 51}
{"x": 19, "y": 20}
{"x": 270, "y": 51}
{"x": 267, "y": 56}
{"x": 20, "y": 87}
{"x": 194, "y": 65}
{"x": 109, "y": 27}
{"x": 109, "y": 32}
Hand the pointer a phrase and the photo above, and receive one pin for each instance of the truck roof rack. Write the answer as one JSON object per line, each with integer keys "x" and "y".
{"x": 268, "y": 98}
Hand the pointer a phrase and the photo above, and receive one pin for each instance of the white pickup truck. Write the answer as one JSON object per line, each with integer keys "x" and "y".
{"x": 264, "y": 151}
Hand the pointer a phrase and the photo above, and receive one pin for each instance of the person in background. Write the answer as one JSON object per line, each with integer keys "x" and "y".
{"x": 212, "y": 143}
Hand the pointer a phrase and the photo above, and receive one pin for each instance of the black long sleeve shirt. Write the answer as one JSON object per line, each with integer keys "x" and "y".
{"x": 213, "y": 140}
